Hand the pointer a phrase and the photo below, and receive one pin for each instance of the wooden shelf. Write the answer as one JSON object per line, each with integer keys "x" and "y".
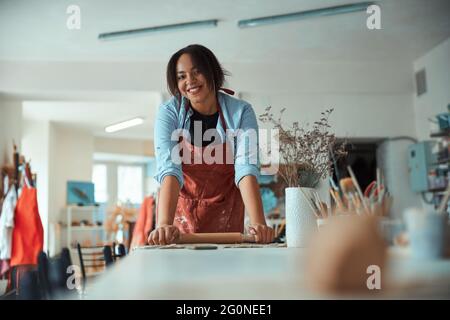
{"x": 437, "y": 190}
{"x": 83, "y": 208}
{"x": 439, "y": 134}
{"x": 86, "y": 228}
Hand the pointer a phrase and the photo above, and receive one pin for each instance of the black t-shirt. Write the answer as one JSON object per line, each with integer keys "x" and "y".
{"x": 208, "y": 122}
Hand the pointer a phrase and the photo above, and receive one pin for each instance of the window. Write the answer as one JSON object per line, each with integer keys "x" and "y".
{"x": 100, "y": 180}
{"x": 130, "y": 183}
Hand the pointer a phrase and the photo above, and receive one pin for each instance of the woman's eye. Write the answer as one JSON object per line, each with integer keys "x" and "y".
{"x": 180, "y": 77}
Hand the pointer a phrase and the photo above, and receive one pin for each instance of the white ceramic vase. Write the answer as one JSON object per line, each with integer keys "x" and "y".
{"x": 300, "y": 218}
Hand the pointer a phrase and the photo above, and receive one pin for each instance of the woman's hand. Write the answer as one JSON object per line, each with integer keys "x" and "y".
{"x": 164, "y": 234}
{"x": 262, "y": 233}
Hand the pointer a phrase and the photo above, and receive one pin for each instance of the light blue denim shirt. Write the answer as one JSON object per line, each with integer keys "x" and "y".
{"x": 238, "y": 114}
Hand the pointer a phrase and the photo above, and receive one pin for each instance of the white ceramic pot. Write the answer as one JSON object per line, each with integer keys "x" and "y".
{"x": 300, "y": 218}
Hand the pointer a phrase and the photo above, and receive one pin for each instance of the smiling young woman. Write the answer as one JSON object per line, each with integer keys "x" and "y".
{"x": 205, "y": 197}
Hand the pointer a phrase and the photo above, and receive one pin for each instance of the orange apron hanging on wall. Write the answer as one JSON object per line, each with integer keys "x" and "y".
{"x": 144, "y": 223}
{"x": 209, "y": 200}
{"x": 28, "y": 234}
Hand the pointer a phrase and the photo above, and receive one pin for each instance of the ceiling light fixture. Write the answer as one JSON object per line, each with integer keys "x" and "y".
{"x": 169, "y": 27}
{"x": 347, "y": 8}
{"x": 124, "y": 125}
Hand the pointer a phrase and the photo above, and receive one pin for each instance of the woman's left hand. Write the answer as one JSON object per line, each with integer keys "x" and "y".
{"x": 262, "y": 233}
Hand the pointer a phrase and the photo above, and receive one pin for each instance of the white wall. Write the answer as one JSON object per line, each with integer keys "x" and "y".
{"x": 10, "y": 129}
{"x": 124, "y": 146}
{"x": 71, "y": 154}
{"x": 278, "y": 77}
{"x": 354, "y": 115}
{"x": 437, "y": 68}
{"x": 58, "y": 154}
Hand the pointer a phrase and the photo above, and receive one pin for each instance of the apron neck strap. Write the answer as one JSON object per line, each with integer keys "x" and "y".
{"x": 229, "y": 91}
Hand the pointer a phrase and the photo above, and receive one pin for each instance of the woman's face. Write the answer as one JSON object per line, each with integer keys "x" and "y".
{"x": 191, "y": 83}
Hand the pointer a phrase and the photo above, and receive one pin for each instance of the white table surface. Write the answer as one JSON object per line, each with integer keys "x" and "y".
{"x": 248, "y": 273}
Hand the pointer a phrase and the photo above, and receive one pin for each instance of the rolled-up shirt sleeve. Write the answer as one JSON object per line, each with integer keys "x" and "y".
{"x": 247, "y": 146}
{"x": 165, "y": 126}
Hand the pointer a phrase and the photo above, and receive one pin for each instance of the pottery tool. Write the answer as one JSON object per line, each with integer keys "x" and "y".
{"x": 225, "y": 238}
{"x": 16, "y": 162}
{"x": 204, "y": 247}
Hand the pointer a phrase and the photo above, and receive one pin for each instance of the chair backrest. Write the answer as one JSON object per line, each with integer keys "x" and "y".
{"x": 131, "y": 226}
{"x": 94, "y": 259}
{"x": 119, "y": 251}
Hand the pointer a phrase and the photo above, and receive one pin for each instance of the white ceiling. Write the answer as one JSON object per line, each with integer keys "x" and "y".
{"x": 95, "y": 116}
{"x": 36, "y": 30}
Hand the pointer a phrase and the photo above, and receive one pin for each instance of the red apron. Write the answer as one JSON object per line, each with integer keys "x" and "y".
{"x": 209, "y": 200}
{"x": 144, "y": 223}
{"x": 28, "y": 234}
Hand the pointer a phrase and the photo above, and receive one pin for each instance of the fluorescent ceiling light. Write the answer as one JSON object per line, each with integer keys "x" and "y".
{"x": 170, "y": 27}
{"x": 124, "y": 125}
{"x": 347, "y": 8}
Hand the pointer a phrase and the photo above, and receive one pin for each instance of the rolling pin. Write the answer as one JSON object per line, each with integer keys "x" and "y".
{"x": 225, "y": 238}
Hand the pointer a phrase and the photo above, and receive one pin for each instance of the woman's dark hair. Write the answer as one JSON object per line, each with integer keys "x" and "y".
{"x": 206, "y": 63}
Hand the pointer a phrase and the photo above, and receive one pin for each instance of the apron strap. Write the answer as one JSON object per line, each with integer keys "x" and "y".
{"x": 222, "y": 119}
{"x": 229, "y": 91}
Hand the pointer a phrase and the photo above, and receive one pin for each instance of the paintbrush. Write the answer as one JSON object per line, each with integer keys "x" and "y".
{"x": 310, "y": 203}
{"x": 349, "y": 190}
{"x": 378, "y": 183}
{"x": 358, "y": 188}
{"x": 335, "y": 194}
{"x": 334, "y": 197}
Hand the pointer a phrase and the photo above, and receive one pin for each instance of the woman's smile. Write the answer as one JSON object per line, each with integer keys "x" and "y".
{"x": 194, "y": 90}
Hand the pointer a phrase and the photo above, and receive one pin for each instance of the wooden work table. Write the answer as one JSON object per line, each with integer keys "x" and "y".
{"x": 248, "y": 273}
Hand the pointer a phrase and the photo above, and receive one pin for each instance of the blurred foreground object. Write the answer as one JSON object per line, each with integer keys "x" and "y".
{"x": 340, "y": 255}
{"x": 427, "y": 233}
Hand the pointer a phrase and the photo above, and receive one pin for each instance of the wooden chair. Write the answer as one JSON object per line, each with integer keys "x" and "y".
{"x": 119, "y": 251}
{"x": 94, "y": 260}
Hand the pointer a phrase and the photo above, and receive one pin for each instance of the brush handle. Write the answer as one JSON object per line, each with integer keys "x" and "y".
{"x": 358, "y": 188}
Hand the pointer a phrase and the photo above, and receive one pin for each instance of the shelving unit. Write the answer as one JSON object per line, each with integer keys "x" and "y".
{"x": 442, "y": 163}
{"x": 91, "y": 214}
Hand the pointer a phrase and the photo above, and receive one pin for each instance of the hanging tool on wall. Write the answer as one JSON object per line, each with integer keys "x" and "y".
{"x": 16, "y": 166}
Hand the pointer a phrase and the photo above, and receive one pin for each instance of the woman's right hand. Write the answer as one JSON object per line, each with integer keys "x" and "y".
{"x": 164, "y": 234}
